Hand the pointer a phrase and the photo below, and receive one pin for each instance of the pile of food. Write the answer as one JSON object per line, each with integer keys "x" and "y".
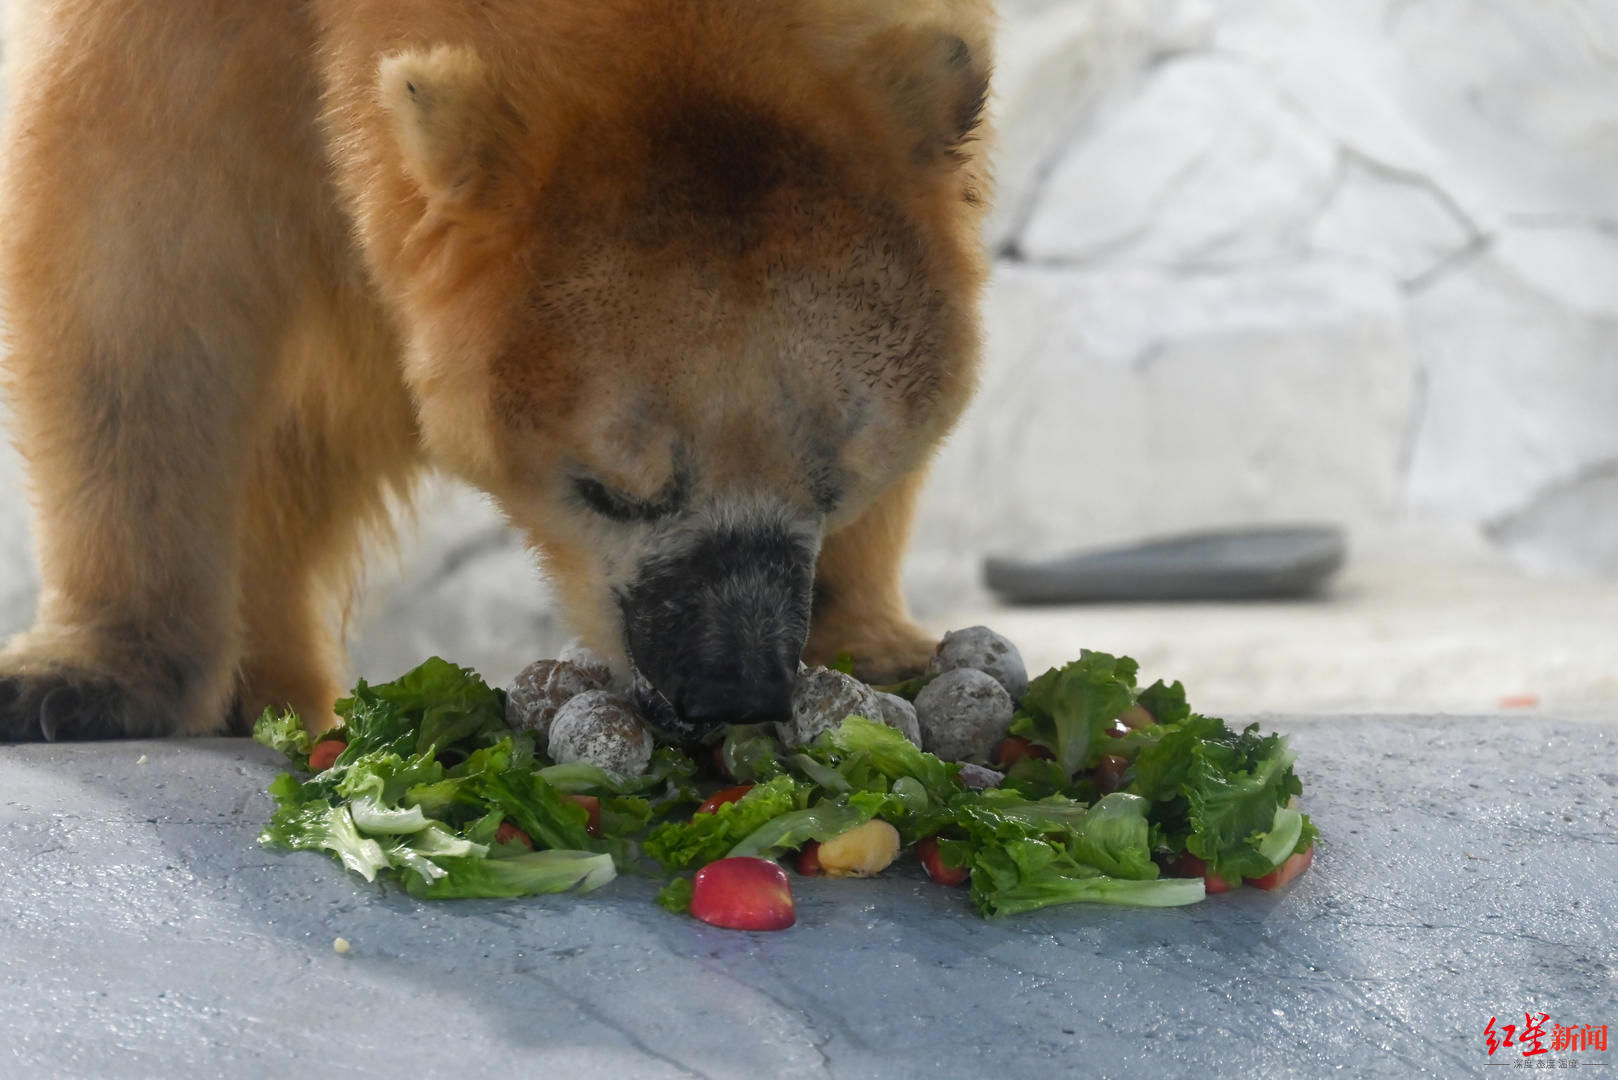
{"x": 1076, "y": 786}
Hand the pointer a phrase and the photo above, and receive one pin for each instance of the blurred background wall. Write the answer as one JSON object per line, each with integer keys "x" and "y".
{"x": 1256, "y": 260}
{"x": 1265, "y": 259}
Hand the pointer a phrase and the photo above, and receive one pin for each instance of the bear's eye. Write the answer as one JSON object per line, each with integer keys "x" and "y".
{"x": 616, "y": 505}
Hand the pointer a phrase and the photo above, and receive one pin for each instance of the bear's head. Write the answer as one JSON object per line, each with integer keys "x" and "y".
{"x": 685, "y": 286}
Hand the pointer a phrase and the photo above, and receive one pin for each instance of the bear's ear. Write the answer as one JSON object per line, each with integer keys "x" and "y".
{"x": 937, "y": 84}
{"x": 458, "y": 133}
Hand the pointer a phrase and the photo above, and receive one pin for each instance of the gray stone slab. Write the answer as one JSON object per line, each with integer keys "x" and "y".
{"x": 1469, "y": 873}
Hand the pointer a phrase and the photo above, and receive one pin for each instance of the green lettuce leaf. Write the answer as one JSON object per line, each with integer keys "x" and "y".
{"x": 1035, "y": 778}
{"x": 538, "y": 809}
{"x": 283, "y": 732}
{"x": 824, "y": 777}
{"x": 436, "y": 704}
{"x": 793, "y": 830}
{"x": 436, "y": 839}
{"x": 1216, "y": 792}
{"x": 675, "y": 897}
{"x": 372, "y": 817}
{"x": 908, "y": 689}
{"x": 1003, "y": 814}
{"x": 706, "y": 837}
{"x": 319, "y": 826}
{"x": 1115, "y": 837}
{"x": 532, "y": 874}
{"x": 1067, "y": 709}
{"x": 1026, "y": 875}
{"x": 1166, "y": 703}
{"x": 1232, "y": 812}
{"x": 886, "y": 754}
{"x": 750, "y": 752}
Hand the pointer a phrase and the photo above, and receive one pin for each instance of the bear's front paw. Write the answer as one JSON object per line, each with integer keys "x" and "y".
{"x": 881, "y": 654}
{"x": 53, "y": 707}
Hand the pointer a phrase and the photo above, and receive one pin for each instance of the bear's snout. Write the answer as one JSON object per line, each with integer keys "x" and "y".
{"x": 719, "y": 627}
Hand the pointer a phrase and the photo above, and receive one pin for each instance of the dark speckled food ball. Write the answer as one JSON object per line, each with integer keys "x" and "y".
{"x": 963, "y": 714}
{"x": 601, "y": 728}
{"x": 542, "y": 688}
{"x": 821, "y": 700}
{"x": 900, "y": 715}
{"x": 982, "y": 649}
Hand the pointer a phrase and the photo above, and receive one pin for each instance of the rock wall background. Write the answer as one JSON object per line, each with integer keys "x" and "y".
{"x": 1255, "y": 261}
{"x": 1263, "y": 260}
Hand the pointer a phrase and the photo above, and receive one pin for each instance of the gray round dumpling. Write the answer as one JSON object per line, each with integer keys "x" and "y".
{"x": 900, "y": 715}
{"x": 982, "y": 649}
{"x": 601, "y": 728}
{"x": 821, "y": 700}
{"x": 963, "y": 713}
{"x": 542, "y": 688}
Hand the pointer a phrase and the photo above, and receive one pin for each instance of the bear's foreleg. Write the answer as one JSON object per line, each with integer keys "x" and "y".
{"x": 859, "y": 602}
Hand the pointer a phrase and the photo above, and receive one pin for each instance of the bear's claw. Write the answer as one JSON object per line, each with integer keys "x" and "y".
{"x": 49, "y": 708}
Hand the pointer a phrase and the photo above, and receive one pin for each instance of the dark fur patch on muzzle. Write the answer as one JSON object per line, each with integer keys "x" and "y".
{"x": 719, "y": 627}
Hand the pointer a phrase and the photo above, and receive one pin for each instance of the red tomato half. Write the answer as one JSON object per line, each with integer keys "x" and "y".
{"x": 1287, "y": 871}
{"x": 324, "y": 754}
{"x": 723, "y": 796}
{"x": 593, "y": 806}
{"x": 937, "y": 869}
{"x": 1013, "y": 749}
{"x": 1187, "y": 865}
{"x": 1110, "y": 773}
{"x": 508, "y": 833}
{"x": 808, "y": 863}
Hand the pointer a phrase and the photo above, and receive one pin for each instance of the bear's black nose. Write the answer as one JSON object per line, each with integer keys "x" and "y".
{"x": 707, "y": 703}
{"x": 718, "y": 625}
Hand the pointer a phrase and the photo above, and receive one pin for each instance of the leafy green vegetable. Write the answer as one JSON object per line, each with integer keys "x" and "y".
{"x": 1002, "y": 810}
{"x": 1026, "y": 875}
{"x": 1166, "y": 703}
{"x": 822, "y": 776}
{"x": 316, "y": 825}
{"x": 750, "y": 752}
{"x": 1067, "y": 709}
{"x": 625, "y": 815}
{"x": 1036, "y": 778}
{"x": 1216, "y": 793}
{"x": 859, "y": 741}
{"x": 1282, "y": 839}
{"x": 582, "y": 778}
{"x": 1115, "y": 837}
{"x": 711, "y": 836}
{"x": 671, "y": 781}
{"x": 522, "y": 875}
{"x": 431, "y": 773}
{"x": 438, "y": 704}
{"x": 283, "y": 731}
{"x": 675, "y": 897}
{"x": 369, "y": 814}
{"x": 793, "y": 830}
{"x": 843, "y": 662}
